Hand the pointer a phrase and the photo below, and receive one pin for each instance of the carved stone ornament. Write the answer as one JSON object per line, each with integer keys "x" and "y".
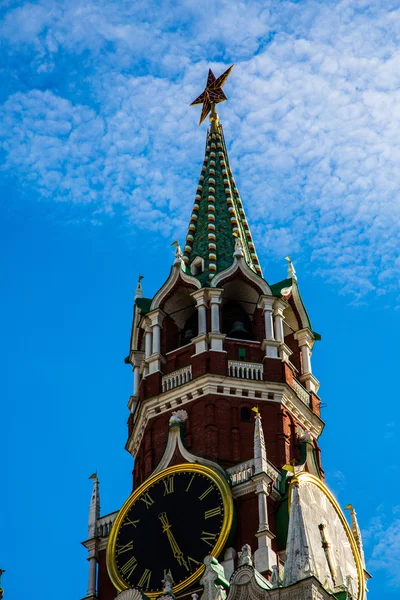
{"x": 130, "y": 594}
{"x": 248, "y": 584}
{"x": 213, "y": 580}
{"x": 178, "y": 417}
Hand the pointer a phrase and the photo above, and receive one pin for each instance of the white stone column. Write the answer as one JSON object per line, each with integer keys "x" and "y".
{"x": 137, "y": 357}
{"x": 270, "y": 344}
{"x": 216, "y": 337}
{"x": 156, "y": 318}
{"x": 305, "y": 339}
{"x": 279, "y": 307}
{"x": 148, "y": 342}
{"x": 91, "y": 591}
{"x": 136, "y": 380}
{"x": 156, "y": 338}
{"x": 200, "y": 341}
{"x": 284, "y": 350}
{"x": 269, "y": 324}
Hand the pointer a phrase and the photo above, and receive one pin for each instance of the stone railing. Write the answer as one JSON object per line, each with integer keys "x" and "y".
{"x": 242, "y": 472}
{"x": 104, "y": 524}
{"x": 176, "y": 378}
{"x": 301, "y": 392}
{"x": 245, "y": 370}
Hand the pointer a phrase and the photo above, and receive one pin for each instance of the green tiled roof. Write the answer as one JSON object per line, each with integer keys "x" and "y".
{"x": 218, "y": 217}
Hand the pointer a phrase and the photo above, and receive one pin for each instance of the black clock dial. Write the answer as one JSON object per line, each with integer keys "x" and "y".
{"x": 171, "y": 527}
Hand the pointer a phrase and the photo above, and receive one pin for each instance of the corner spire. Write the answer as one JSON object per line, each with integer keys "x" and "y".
{"x": 218, "y": 223}
{"x": 94, "y": 510}
{"x": 355, "y": 528}
{"x": 260, "y": 451}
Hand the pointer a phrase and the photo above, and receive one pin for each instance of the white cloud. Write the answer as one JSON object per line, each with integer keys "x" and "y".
{"x": 382, "y": 538}
{"x": 313, "y": 124}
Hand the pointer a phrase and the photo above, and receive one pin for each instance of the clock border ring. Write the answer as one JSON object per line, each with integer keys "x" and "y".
{"x": 309, "y": 478}
{"x": 227, "y": 500}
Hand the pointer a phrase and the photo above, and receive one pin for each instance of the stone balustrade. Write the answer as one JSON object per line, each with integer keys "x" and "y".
{"x": 245, "y": 370}
{"x": 176, "y": 378}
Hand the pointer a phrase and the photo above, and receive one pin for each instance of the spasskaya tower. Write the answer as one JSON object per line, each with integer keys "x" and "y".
{"x": 228, "y": 496}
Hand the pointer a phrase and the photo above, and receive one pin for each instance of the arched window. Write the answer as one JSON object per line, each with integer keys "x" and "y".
{"x": 235, "y": 322}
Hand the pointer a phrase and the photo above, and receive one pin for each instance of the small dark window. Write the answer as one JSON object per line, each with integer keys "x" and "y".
{"x": 220, "y": 389}
{"x": 245, "y": 414}
{"x": 245, "y": 392}
{"x": 270, "y": 395}
{"x": 232, "y": 391}
{"x": 242, "y": 353}
{"x": 257, "y": 394}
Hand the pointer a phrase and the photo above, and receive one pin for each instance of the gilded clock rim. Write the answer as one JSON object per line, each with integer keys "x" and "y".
{"x": 309, "y": 478}
{"x": 227, "y": 500}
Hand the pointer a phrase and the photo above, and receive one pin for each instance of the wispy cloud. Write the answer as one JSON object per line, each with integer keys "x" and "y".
{"x": 382, "y": 538}
{"x": 97, "y": 113}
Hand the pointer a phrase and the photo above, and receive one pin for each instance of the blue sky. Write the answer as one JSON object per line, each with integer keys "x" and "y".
{"x": 99, "y": 160}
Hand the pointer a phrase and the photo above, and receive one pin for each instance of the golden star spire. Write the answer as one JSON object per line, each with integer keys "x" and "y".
{"x": 212, "y": 94}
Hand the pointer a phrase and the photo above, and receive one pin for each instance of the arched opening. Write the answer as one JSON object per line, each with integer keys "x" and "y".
{"x": 236, "y": 322}
{"x": 190, "y": 329}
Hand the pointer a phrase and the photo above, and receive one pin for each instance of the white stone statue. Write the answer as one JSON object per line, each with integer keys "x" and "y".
{"x": 168, "y": 584}
{"x": 245, "y": 556}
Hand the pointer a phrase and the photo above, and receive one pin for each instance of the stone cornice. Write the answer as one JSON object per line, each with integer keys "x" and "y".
{"x": 209, "y": 384}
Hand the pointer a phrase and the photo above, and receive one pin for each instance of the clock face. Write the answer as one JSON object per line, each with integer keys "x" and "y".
{"x": 169, "y": 524}
{"x": 334, "y": 556}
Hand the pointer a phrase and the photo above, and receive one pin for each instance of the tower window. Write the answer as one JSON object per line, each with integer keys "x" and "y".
{"x": 197, "y": 266}
{"x": 245, "y": 414}
{"x": 242, "y": 353}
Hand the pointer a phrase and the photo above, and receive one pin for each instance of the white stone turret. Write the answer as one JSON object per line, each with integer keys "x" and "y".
{"x": 92, "y": 541}
{"x": 139, "y": 289}
{"x": 356, "y": 532}
{"x": 260, "y": 451}
{"x": 264, "y": 557}
{"x": 94, "y": 510}
{"x": 298, "y": 557}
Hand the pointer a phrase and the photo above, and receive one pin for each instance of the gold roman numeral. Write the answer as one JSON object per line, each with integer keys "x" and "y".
{"x": 130, "y": 522}
{"x": 125, "y": 548}
{"x": 144, "y": 581}
{"x": 189, "y": 484}
{"x": 213, "y": 512}
{"x": 168, "y": 485}
{"x": 168, "y": 572}
{"x": 129, "y": 567}
{"x": 208, "y": 538}
{"x": 194, "y": 561}
{"x": 204, "y": 494}
{"x": 147, "y": 499}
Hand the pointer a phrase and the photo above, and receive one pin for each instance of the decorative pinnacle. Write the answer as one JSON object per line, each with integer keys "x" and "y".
{"x": 212, "y": 94}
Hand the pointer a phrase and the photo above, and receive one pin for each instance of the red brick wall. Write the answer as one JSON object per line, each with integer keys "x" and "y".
{"x": 214, "y": 430}
{"x": 106, "y": 590}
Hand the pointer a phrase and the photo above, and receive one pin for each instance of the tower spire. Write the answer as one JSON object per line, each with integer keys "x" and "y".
{"x": 355, "y": 528}
{"x": 94, "y": 510}
{"x": 218, "y": 222}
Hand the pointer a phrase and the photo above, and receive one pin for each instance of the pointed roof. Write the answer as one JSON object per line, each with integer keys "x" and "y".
{"x": 218, "y": 222}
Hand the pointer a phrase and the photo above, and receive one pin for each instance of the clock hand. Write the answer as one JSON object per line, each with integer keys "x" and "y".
{"x": 178, "y": 554}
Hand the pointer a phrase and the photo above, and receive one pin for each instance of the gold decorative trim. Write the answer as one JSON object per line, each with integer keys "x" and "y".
{"x": 226, "y": 494}
{"x": 308, "y": 478}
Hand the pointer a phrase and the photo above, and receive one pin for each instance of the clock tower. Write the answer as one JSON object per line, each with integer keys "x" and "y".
{"x": 228, "y": 494}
